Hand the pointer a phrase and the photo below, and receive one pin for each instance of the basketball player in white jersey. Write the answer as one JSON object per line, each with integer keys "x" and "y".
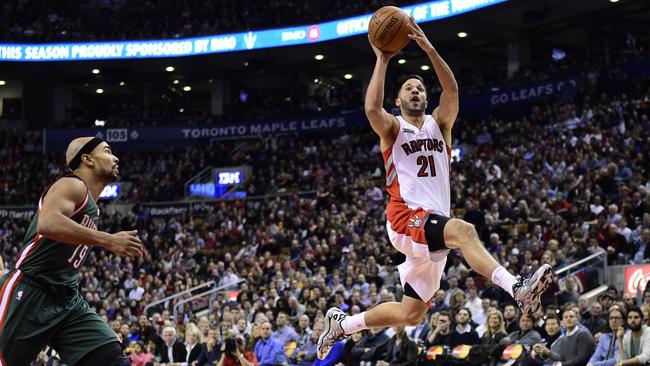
{"x": 417, "y": 152}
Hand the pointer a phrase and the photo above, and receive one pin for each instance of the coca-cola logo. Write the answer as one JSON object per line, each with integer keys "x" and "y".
{"x": 634, "y": 279}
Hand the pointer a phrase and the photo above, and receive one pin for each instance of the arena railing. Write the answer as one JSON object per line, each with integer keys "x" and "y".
{"x": 179, "y": 306}
{"x": 589, "y": 272}
{"x": 178, "y": 294}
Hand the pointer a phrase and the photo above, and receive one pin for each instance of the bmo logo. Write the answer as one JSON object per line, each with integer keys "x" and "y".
{"x": 228, "y": 178}
{"x": 634, "y": 279}
{"x": 313, "y": 32}
{"x": 293, "y": 35}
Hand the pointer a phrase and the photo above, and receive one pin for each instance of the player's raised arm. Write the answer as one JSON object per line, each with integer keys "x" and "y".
{"x": 54, "y": 221}
{"x": 447, "y": 110}
{"x": 382, "y": 122}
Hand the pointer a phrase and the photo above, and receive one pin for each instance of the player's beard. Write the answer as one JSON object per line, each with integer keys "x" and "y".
{"x": 410, "y": 109}
{"x": 635, "y": 327}
{"x": 112, "y": 176}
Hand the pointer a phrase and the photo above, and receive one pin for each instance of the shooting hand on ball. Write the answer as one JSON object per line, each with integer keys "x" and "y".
{"x": 417, "y": 34}
{"x": 382, "y": 54}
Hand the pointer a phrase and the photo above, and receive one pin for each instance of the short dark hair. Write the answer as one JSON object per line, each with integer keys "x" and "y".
{"x": 444, "y": 313}
{"x": 551, "y": 317}
{"x": 403, "y": 80}
{"x": 571, "y": 309}
{"x": 635, "y": 309}
{"x": 467, "y": 310}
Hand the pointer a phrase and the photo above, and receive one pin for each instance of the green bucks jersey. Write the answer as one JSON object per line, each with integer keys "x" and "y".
{"x": 56, "y": 263}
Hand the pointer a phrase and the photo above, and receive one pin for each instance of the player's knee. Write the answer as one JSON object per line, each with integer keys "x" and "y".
{"x": 411, "y": 319}
{"x": 466, "y": 233}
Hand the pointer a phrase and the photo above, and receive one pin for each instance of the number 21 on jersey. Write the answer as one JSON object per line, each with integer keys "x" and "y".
{"x": 427, "y": 166}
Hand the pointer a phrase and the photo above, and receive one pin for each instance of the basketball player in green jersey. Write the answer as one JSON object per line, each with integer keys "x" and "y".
{"x": 40, "y": 302}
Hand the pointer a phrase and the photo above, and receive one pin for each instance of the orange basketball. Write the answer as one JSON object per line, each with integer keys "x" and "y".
{"x": 388, "y": 30}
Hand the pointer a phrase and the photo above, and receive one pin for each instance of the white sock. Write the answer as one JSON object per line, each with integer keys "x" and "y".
{"x": 354, "y": 323}
{"x": 503, "y": 278}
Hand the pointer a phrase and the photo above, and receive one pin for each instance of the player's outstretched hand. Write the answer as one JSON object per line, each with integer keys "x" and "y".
{"x": 126, "y": 243}
{"x": 417, "y": 34}
{"x": 382, "y": 54}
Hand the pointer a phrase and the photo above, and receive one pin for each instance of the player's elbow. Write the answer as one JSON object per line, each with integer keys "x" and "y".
{"x": 45, "y": 227}
{"x": 452, "y": 88}
{"x": 372, "y": 111}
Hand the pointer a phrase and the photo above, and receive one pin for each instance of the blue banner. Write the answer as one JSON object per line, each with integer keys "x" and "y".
{"x": 564, "y": 88}
{"x": 155, "y": 138}
{"x": 279, "y": 37}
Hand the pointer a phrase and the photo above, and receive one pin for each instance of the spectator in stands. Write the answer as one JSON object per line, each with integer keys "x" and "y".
{"x": 463, "y": 333}
{"x": 441, "y": 334}
{"x": 645, "y": 308}
{"x": 525, "y": 335}
{"x": 419, "y": 333}
{"x": 569, "y": 294}
{"x": 138, "y": 354}
{"x": 642, "y": 247}
{"x": 606, "y": 353}
{"x": 615, "y": 244}
{"x": 573, "y": 348}
{"x": 304, "y": 332}
{"x": 634, "y": 345}
{"x": 353, "y": 353}
{"x": 456, "y": 303}
{"x": 475, "y": 305}
{"x": 284, "y": 332}
{"x": 372, "y": 345}
{"x": 173, "y": 349}
{"x": 297, "y": 311}
{"x": 239, "y": 356}
{"x": 552, "y": 329}
{"x": 399, "y": 351}
{"x": 192, "y": 345}
{"x": 452, "y": 281}
{"x": 495, "y": 329}
{"x": 456, "y": 267}
{"x": 596, "y": 324}
{"x": 268, "y": 350}
{"x": 510, "y": 312}
{"x": 305, "y": 352}
{"x": 124, "y": 334}
{"x": 210, "y": 352}
{"x": 438, "y": 303}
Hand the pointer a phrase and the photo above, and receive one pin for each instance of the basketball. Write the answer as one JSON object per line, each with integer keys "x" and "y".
{"x": 387, "y": 29}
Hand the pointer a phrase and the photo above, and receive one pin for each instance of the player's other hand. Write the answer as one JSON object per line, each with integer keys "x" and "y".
{"x": 381, "y": 54}
{"x": 417, "y": 34}
{"x": 126, "y": 243}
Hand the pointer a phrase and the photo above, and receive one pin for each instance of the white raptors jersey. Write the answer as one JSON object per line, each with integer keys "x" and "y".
{"x": 417, "y": 168}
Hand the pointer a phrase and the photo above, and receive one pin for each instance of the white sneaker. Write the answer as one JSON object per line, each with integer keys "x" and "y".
{"x": 529, "y": 288}
{"x": 332, "y": 333}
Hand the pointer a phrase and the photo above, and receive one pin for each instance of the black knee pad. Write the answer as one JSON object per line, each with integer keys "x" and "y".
{"x": 109, "y": 354}
{"x": 434, "y": 232}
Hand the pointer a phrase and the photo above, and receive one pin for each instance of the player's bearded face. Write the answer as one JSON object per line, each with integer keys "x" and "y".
{"x": 412, "y": 97}
{"x": 109, "y": 169}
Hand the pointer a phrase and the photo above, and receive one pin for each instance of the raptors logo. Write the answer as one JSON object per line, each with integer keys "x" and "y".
{"x": 415, "y": 221}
